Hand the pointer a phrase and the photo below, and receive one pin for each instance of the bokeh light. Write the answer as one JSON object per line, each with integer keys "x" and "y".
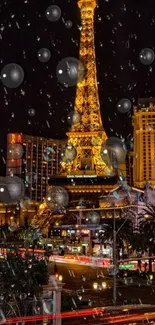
{"x": 15, "y": 151}
{"x": 44, "y": 55}
{"x": 57, "y": 198}
{"x": 53, "y": 13}
{"x": 146, "y": 56}
{"x": 70, "y": 71}
{"x": 12, "y": 75}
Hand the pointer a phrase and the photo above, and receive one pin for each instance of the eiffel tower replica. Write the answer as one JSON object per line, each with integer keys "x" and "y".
{"x": 83, "y": 172}
{"x": 87, "y": 134}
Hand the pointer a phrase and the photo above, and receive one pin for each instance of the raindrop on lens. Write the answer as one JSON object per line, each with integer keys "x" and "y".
{"x": 15, "y": 187}
{"x": 31, "y": 112}
{"x": 116, "y": 150}
{"x": 73, "y": 118}
{"x": 70, "y": 71}
{"x": 124, "y": 105}
{"x": 15, "y": 151}
{"x": 53, "y": 13}
{"x": 146, "y": 56}
{"x": 48, "y": 154}
{"x": 68, "y": 24}
{"x": 12, "y": 75}
{"x": 44, "y": 55}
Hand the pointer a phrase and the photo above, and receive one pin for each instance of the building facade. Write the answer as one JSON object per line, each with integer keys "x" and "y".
{"x": 38, "y": 161}
{"x": 144, "y": 143}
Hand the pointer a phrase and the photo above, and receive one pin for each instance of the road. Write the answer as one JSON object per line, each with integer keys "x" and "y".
{"x": 129, "y": 315}
{"x": 72, "y": 277}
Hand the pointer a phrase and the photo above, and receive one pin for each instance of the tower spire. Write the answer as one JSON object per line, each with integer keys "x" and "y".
{"x": 87, "y": 99}
{"x": 86, "y": 136}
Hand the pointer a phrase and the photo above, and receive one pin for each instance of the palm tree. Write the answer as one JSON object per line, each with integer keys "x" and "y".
{"x": 145, "y": 237}
{"x": 124, "y": 231}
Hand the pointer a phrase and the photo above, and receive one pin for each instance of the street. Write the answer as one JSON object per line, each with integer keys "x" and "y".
{"x": 72, "y": 277}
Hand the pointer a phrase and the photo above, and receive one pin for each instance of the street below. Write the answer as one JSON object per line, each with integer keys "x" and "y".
{"x": 80, "y": 279}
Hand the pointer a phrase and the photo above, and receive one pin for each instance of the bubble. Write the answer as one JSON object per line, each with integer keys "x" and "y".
{"x": 15, "y": 188}
{"x": 128, "y": 146}
{"x": 124, "y": 105}
{"x": 12, "y": 75}
{"x": 146, "y": 56}
{"x": 70, "y": 71}
{"x": 31, "y": 177}
{"x": 116, "y": 151}
{"x": 48, "y": 154}
{"x": 15, "y": 151}
{"x": 57, "y": 198}
{"x": 73, "y": 118}
{"x": 92, "y": 217}
{"x": 25, "y": 203}
{"x": 23, "y": 296}
{"x": 44, "y": 55}
{"x": 68, "y": 24}
{"x": 31, "y": 112}
{"x": 69, "y": 153}
{"x": 53, "y": 13}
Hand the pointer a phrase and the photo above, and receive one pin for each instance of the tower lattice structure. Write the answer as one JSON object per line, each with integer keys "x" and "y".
{"x": 87, "y": 136}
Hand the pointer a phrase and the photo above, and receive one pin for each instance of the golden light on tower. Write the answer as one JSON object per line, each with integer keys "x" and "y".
{"x": 87, "y": 134}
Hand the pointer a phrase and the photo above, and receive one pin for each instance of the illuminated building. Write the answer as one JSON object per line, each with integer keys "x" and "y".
{"x": 129, "y": 168}
{"x": 86, "y": 175}
{"x": 144, "y": 143}
{"x": 36, "y": 165}
{"x": 87, "y": 134}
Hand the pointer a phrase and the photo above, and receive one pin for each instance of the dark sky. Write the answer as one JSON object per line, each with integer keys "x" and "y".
{"x": 123, "y": 29}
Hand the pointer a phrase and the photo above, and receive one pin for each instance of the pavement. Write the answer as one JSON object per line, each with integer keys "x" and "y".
{"x": 79, "y": 279}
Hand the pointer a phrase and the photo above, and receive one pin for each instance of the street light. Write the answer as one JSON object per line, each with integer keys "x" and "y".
{"x": 60, "y": 277}
{"x": 114, "y": 254}
{"x": 104, "y": 285}
{"x": 95, "y": 285}
{"x": 99, "y": 288}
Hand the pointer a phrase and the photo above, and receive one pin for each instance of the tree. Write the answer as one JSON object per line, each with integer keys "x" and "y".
{"x": 21, "y": 277}
{"x": 124, "y": 230}
{"x": 30, "y": 236}
{"x": 144, "y": 238}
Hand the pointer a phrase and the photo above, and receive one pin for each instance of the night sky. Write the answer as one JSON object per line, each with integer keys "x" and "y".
{"x": 123, "y": 29}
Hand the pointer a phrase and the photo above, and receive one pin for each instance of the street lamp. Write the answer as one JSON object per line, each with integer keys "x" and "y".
{"x": 60, "y": 277}
{"x": 115, "y": 266}
{"x": 95, "y": 285}
{"x": 104, "y": 285}
{"x": 99, "y": 288}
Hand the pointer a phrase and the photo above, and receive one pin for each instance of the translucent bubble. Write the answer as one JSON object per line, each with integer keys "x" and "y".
{"x": 48, "y": 154}
{"x": 44, "y": 55}
{"x": 73, "y": 118}
{"x": 53, "y": 13}
{"x": 124, "y": 105}
{"x": 15, "y": 151}
{"x": 15, "y": 187}
{"x": 128, "y": 146}
{"x": 12, "y": 75}
{"x": 31, "y": 177}
{"x": 57, "y": 198}
{"x": 116, "y": 151}
{"x": 31, "y": 112}
{"x": 23, "y": 296}
{"x": 69, "y": 153}
{"x": 70, "y": 71}
{"x": 146, "y": 56}
{"x": 25, "y": 203}
{"x": 92, "y": 217}
{"x": 68, "y": 24}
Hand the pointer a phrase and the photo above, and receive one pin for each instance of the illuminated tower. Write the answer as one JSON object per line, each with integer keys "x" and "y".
{"x": 86, "y": 134}
{"x": 144, "y": 143}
